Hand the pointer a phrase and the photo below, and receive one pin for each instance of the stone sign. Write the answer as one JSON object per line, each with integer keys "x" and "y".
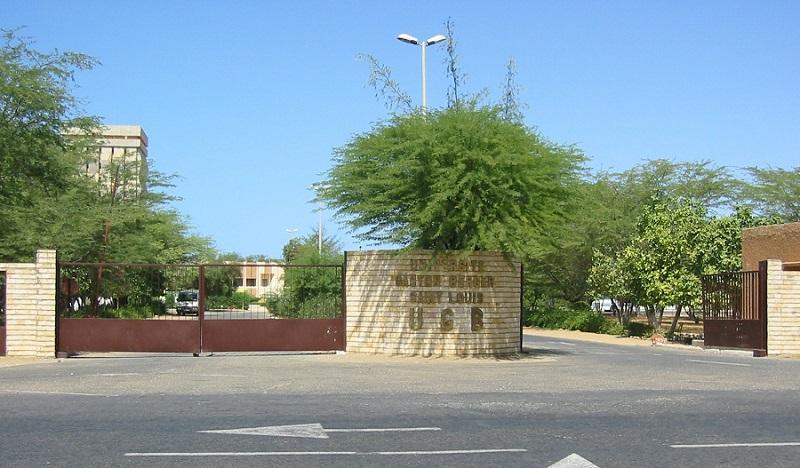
{"x": 422, "y": 303}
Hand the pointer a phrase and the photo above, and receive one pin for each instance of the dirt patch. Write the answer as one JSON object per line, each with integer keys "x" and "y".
{"x": 9, "y": 361}
{"x": 584, "y": 336}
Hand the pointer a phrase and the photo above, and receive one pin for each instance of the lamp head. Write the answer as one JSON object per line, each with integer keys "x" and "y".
{"x": 408, "y": 38}
{"x": 436, "y": 39}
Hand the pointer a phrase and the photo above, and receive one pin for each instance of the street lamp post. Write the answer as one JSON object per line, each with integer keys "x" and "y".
{"x": 424, "y": 44}
{"x": 316, "y": 187}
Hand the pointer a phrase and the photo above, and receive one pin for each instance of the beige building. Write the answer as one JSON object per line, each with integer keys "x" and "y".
{"x": 261, "y": 279}
{"x": 120, "y": 158}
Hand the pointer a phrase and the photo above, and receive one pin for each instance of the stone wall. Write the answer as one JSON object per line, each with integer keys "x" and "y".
{"x": 30, "y": 306}
{"x": 780, "y": 241}
{"x": 783, "y": 310}
{"x": 420, "y": 304}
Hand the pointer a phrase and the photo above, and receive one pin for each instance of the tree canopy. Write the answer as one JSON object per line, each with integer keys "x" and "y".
{"x": 45, "y": 202}
{"x": 456, "y": 178}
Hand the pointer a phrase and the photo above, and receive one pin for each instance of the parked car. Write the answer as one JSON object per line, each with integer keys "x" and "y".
{"x": 603, "y": 305}
{"x": 188, "y": 302}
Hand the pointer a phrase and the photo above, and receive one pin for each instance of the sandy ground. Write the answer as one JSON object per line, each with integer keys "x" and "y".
{"x": 593, "y": 337}
{"x": 9, "y": 361}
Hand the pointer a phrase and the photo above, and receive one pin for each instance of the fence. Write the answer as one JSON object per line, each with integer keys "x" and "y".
{"x": 124, "y": 291}
{"x": 198, "y": 308}
{"x": 734, "y": 310}
{"x": 731, "y": 296}
{"x": 176, "y": 292}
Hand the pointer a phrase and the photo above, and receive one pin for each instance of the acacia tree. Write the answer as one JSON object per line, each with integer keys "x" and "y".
{"x": 36, "y": 105}
{"x": 36, "y": 162}
{"x": 774, "y": 192}
{"x": 44, "y": 201}
{"x": 457, "y": 178}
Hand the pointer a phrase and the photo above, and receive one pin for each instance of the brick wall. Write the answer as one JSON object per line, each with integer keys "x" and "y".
{"x": 783, "y": 310}
{"x": 30, "y": 306}
{"x": 413, "y": 304}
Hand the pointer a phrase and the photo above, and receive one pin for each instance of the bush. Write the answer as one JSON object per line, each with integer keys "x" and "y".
{"x": 612, "y": 327}
{"x": 238, "y": 300}
{"x": 169, "y": 300}
{"x": 586, "y": 321}
{"x": 639, "y": 329}
{"x": 321, "y": 306}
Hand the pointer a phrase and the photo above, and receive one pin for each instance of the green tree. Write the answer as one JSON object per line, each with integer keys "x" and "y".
{"x": 37, "y": 164}
{"x": 312, "y": 282}
{"x": 457, "y": 178}
{"x": 701, "y": 182}
{"x": 44, "y": 201}
{"x": 774, "y": 192}
{"x": 305, "y": 250}
{"x": 723, "y": 240}
{"x": 36, "y": 106}
{"x": 664, "y": 257}
{"x": 610, "y": 278}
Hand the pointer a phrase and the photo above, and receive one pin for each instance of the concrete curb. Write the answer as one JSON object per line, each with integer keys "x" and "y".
{"x": 725, "y": 352}
{"x": 628, "y": 341}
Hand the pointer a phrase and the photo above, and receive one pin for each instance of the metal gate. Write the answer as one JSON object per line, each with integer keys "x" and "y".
{"x": 2, "y": 313}
{"x": 199, "y": 308}
{"x": 735, "y": 310}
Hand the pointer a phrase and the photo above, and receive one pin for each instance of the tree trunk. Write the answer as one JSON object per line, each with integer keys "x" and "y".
{"x": 672, "y": 327}
{"x": 651, "y": 316}
{"x": 98, "y": 286}
{"x": 693, "y": 315}
{"x": 623, "y": 311}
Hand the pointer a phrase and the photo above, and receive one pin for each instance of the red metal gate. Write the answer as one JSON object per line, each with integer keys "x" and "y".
{"x": 198, "y": 308}
{"x": 735, "y": 310}
{"x": 275, "y": 308}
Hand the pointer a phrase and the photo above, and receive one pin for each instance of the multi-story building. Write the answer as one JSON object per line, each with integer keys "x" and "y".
{"x": 120, "y": 159}
{"x": 261, "y": 279}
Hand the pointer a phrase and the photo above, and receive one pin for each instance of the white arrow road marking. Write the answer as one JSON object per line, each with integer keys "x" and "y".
{"x": 754, "y": 444}
{"x": 280, "y": 454}
{"x": 573, "y": 461}
{"x": 388, "y": 429}
{"x": 311, "y": 431}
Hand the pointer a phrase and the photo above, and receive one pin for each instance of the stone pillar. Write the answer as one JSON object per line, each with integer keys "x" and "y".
{"x": 783, "y": 310}
{"x": 31, "y": 306}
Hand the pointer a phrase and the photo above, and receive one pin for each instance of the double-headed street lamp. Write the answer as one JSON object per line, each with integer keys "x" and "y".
{"x": 424, "y": 44}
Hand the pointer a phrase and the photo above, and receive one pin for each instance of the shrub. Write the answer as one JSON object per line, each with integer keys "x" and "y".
{"x": 169, "y": 300}
{"x": 321, "y": 306}
{"x": 238, "y": 300}
{"x": 581, "y": 320}
{"x": 640, "y": 329}
{"x": 612, "y": 327}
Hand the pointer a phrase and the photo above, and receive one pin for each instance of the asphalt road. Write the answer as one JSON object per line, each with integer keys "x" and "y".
{"x": 615, "y": 406}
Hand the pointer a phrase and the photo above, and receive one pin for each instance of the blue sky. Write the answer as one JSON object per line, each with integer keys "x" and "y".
{"x": 245, "y": 100}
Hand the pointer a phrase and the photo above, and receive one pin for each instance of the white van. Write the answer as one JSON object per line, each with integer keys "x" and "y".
{"x": 187, "y": 302}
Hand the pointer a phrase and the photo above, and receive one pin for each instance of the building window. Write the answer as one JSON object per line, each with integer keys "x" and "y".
{"x": 251, "y": 282}
{"x": 265, "y": 280}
